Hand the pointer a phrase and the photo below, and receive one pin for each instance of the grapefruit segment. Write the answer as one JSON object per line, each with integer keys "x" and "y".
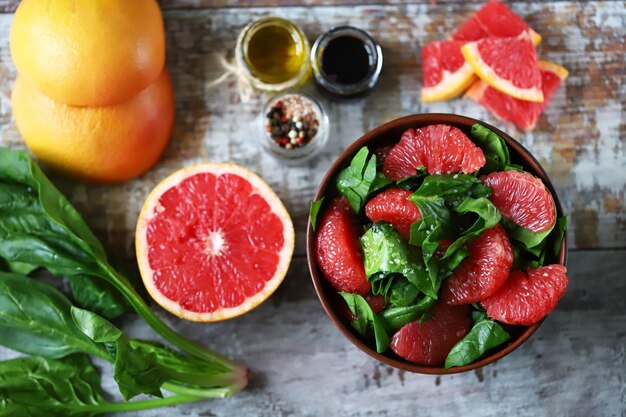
{"x": 338, "y": 250}
{"x": 441, "y": 149}
{"x": 522, "y": 198}
{"x": 213, "y": 241}
{"x": 430, "y": 342}
{"x": 394, "y": 207}
{"x": 527, "y": 297}
{"x": 445, "y": 73}
{"x": 494, "y": 19}
{"x": 483, "y": 272}
{"x": 524, "y": 114}
{"x": 508, "y": 65}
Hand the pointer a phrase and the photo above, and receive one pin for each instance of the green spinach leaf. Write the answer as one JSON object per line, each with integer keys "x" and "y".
{"x": 403, "y": 293}
{"x": 396, "y": 317}
{"x": 136, "y": 371}
{"x": 355, "y": 181}
{"x": 35, "y": 319}
{"x": 385, "y": 251}
{"x": 39, "y": 387}
{"x": 484, "y": 335}
{"x": 494, "y": 148}
{"x": 367, "y": 323}
{"x": 314, "y": 211}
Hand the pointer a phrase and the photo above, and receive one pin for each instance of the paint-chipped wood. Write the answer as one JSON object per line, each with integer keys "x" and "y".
{"x": 572, "y": 366}
{"x": 580, "y": 140}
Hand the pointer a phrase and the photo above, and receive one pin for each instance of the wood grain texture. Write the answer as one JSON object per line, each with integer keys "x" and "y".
{"x": 580, "y": 140}
{"x": 572, "y": 366}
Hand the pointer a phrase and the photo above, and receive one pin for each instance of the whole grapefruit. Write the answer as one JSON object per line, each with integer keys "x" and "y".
{"x": 89, "y": 53}
{"x": 96, "y": 144}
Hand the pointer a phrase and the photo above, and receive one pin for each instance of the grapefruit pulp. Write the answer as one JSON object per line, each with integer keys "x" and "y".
{"x": 213, "y": 241}
{"x": 441, "y": 149}
{"x": 522, "y": 198}
{"x": 445, "y": 73}
{"x": 524, "y": 114}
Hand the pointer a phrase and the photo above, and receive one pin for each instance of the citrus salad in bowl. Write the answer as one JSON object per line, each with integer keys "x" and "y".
{"x": 441, "y": 245}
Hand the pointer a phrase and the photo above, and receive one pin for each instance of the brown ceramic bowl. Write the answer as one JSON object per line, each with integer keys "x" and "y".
{"x": 389, "y": 133}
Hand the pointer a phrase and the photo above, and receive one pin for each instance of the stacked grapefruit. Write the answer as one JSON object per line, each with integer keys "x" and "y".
{"x": 436, "y": 241}
{"x": 493, "y": 53}
{"x": 93, "y": 99}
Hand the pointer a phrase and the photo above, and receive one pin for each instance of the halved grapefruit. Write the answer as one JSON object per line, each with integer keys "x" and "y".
{"x": 445, "y": 74}
{"x": 507, "y": 64}
{"x": 213, "y": 241}
{"x": 494, "y": 19}
{"x": 524, "y": 114}
{"x": 441, "y": 149}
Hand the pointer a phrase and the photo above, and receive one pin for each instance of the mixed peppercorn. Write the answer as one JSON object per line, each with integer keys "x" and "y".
{"x": 292, "y": 122}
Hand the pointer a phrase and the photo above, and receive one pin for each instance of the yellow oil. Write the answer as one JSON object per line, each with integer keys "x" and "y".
{"x": 275, "y": 53}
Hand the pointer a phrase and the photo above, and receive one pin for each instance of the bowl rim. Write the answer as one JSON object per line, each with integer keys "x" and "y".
{"x": 418, "y": 120}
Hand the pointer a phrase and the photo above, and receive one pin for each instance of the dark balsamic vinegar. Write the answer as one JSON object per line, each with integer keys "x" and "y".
{"x": 346, "y": 60}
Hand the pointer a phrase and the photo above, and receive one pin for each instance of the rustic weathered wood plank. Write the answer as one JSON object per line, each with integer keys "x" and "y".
{"x": 580, "y": 139}
{"x": 573, "y": 366}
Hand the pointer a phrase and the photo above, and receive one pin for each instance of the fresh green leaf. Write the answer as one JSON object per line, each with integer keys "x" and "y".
{"x": 39, "y": 387}
{"x": 20, "y": 268}
{"x": 381, "y": 283}
{"x": 403, "y": 293}
{"x": 314, "y": 211}
{"x": 136, "y": 371}
{"x": 381, "y": 181}
{"x": 494, "y": 148}
{"x": 367, "y": 323}
{"x": 484, "y": 335}
{"x": 488, "y": 216}
{"x": 355, "y": 181}
{"x": 557, "y": 236}
{"x": 39, "y": 227}
{"x": 396, "y": 317}
{"x": 35, "y": 319}
{"x": 385, "y": 251}
{"x": 98, "y": 296}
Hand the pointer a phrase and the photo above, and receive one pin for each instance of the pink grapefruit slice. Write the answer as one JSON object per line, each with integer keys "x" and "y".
{"x": 508, "y": 65}
{"x": 213, "y": 241}
{"x": 445, "y": 74}
{"x": 523, "y": 114}
{"x": 494, "y": 19}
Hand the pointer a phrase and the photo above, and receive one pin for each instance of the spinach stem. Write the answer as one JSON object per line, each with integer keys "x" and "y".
{"x": 142, "y": 405}
{"x": 221, "y": 392}
{"x": 167, "y": 332}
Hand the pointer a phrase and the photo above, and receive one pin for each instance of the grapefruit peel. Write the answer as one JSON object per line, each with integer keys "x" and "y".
{"x": 152, "y": 206}
{"x": 452, "y": 84}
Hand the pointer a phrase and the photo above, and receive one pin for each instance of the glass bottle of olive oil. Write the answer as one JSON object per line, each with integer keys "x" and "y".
{"x": 274, "y": 54}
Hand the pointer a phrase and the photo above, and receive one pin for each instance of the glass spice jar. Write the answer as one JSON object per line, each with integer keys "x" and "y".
{"x": 273, "y": 54}
{"x": 293, "y": 126}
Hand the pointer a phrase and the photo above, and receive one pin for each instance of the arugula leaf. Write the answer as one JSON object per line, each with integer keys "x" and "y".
{"x": 39, "y": 387}
{"x": 355, "y": 181}
{"x": 494, "y": 148}
{"x": 39, "y": 227}
{"x": 484, "y": 335}
{"x": 136, "y": 372}
{"x": 35, "y": 319}
{"x": 396, "y": 317}
{"x": 386, "y": 252}
{"x": 367, "y": 323}
{"x": 314, "y": 211}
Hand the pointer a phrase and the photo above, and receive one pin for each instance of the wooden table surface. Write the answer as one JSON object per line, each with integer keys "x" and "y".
{"x": 575, "y": 365}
